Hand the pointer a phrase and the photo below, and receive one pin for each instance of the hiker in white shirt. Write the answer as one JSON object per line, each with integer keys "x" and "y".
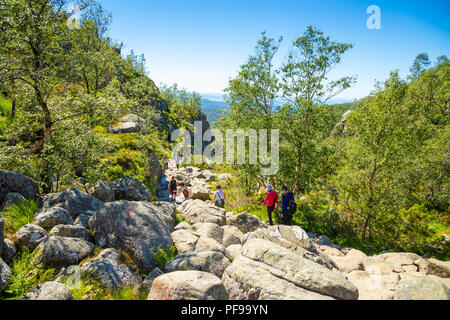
{"x": 219, "y": 197}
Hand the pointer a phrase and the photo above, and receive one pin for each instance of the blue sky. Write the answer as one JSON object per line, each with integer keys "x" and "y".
{"x": 201, "y": 44}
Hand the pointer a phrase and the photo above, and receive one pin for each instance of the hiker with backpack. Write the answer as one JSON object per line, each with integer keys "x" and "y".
{"x": 173, "y": 186}
{"x": 219, "y": 197}
{"x": 271, "y": 202}
{"x": 288, "y": 206}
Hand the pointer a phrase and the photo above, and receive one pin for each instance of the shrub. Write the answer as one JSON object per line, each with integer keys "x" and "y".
{"x": 163, "y": 257}
{"x": 26, "y": 274}
{"x": 19, "y": 214}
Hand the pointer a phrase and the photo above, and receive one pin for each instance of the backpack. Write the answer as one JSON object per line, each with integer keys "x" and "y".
{"x": 173, "y": 184}
{"x": 292, "y": 206}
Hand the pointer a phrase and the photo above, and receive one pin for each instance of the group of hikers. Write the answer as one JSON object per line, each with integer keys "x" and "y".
{"x": 288, "y": 204}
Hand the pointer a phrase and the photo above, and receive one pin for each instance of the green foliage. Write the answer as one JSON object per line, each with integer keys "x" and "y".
{"x": 26, "y": 274}
{"x": 5, "y": 106}
{"x": 19, "y": 214}
{"x": 163, "y": 257}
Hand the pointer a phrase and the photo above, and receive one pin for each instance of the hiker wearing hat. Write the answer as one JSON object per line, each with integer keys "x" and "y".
{"x": 271, "y": 202}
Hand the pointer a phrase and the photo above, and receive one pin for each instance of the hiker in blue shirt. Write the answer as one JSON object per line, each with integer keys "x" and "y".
{"x": 288, "y": 206}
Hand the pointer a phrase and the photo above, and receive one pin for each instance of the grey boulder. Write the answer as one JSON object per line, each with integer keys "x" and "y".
{"x": 18, "y": 183}
{"x": 188, "y": 285}
{"x": 75, "y": 201}
{"x": 61, "y": 251}
{"x": 139, "y": 228}
{"x": 208, "y": 261}
{"x": 107, "y": 268}
{"x": 48, "y": 218}
{"x": 49, "y": 291}
{"x": 30, "y": 236}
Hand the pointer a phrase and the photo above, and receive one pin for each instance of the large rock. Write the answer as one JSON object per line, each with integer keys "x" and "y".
{"x": 195, "y": 211}
{"x": 233, "y": 251}
{"x": 209, "y": 230}
{"x": 11, "y": 199}
{"x": 18, "y": 183}
{"x": 246, "y": 279}
{"x": 76, "y": 202}
{"x": 298, "y": 270}
{"x": 82, "y": 220}
{"x": 294, "y": 239}
{"x": 374, "y": 287}
{"x": 125, "y": 127}
{"x": 188, "y": 285}
{"x": 209, "y": 244}
{"x": 62, "y": 251}
{"x": 245, "y": 222}
{"x": 231, "y": 235}
{"x": 130, "y": 189}
{"x": 208, "y": 261}
{"x": 439, "y": 268}
{"x": 70, "y": 231}
{"x": 49, "y": 291}
{"x": 9, "y": 250}
{"x": 29, "y": 236}
{"x": 103, "y": 191}
{"x": 48, "y": 218}
{"x": 139, "y": 228}
{"x": 107, "y": 268}
{"x": 5, "y": 274}
{"x": 420, "y": 287}
{"x": 185, "y": 240}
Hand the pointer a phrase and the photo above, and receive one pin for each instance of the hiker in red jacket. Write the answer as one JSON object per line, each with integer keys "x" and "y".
{"x": 271, "y": 202}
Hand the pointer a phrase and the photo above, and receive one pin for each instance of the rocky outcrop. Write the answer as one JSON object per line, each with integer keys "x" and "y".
{"x": 374, "y": 287}
{"x": 208, "y": 261}
{"x": 139, "y": 228}
{"x": 439, "y": 268}
{"x": 49, "y": 291}
{"x": 48, "y": 218}
{"x": 188, "y": 285}
{"x": 61, "y": 251}
{"x": 195, "y": 211}
{"x": 107, "y": 268}
{"x": 130, "y": 189}
{"x": 76, "y": 202}
{"x": 420, "y": 287}
{"x": 18, "y": 183}
{"x": 29, "y": 236}
{"x": 294, "y": 239}
{"x": 265, "y": 270}
{"x": 2, "y": 226}
{"x": 131, "y": 123}
{"x": 103, "y": 191}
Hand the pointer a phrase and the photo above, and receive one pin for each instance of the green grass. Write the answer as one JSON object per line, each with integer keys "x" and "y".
{"x": 163, "y": 257}
{"x": 20, "y": 214}
{"x": 5, "y": 106}
{"x": 26, "y": 274}
{"x": 439, "y": 227}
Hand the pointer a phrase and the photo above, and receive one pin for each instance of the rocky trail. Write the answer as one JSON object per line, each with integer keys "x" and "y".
{"x": 221, "y": 255}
